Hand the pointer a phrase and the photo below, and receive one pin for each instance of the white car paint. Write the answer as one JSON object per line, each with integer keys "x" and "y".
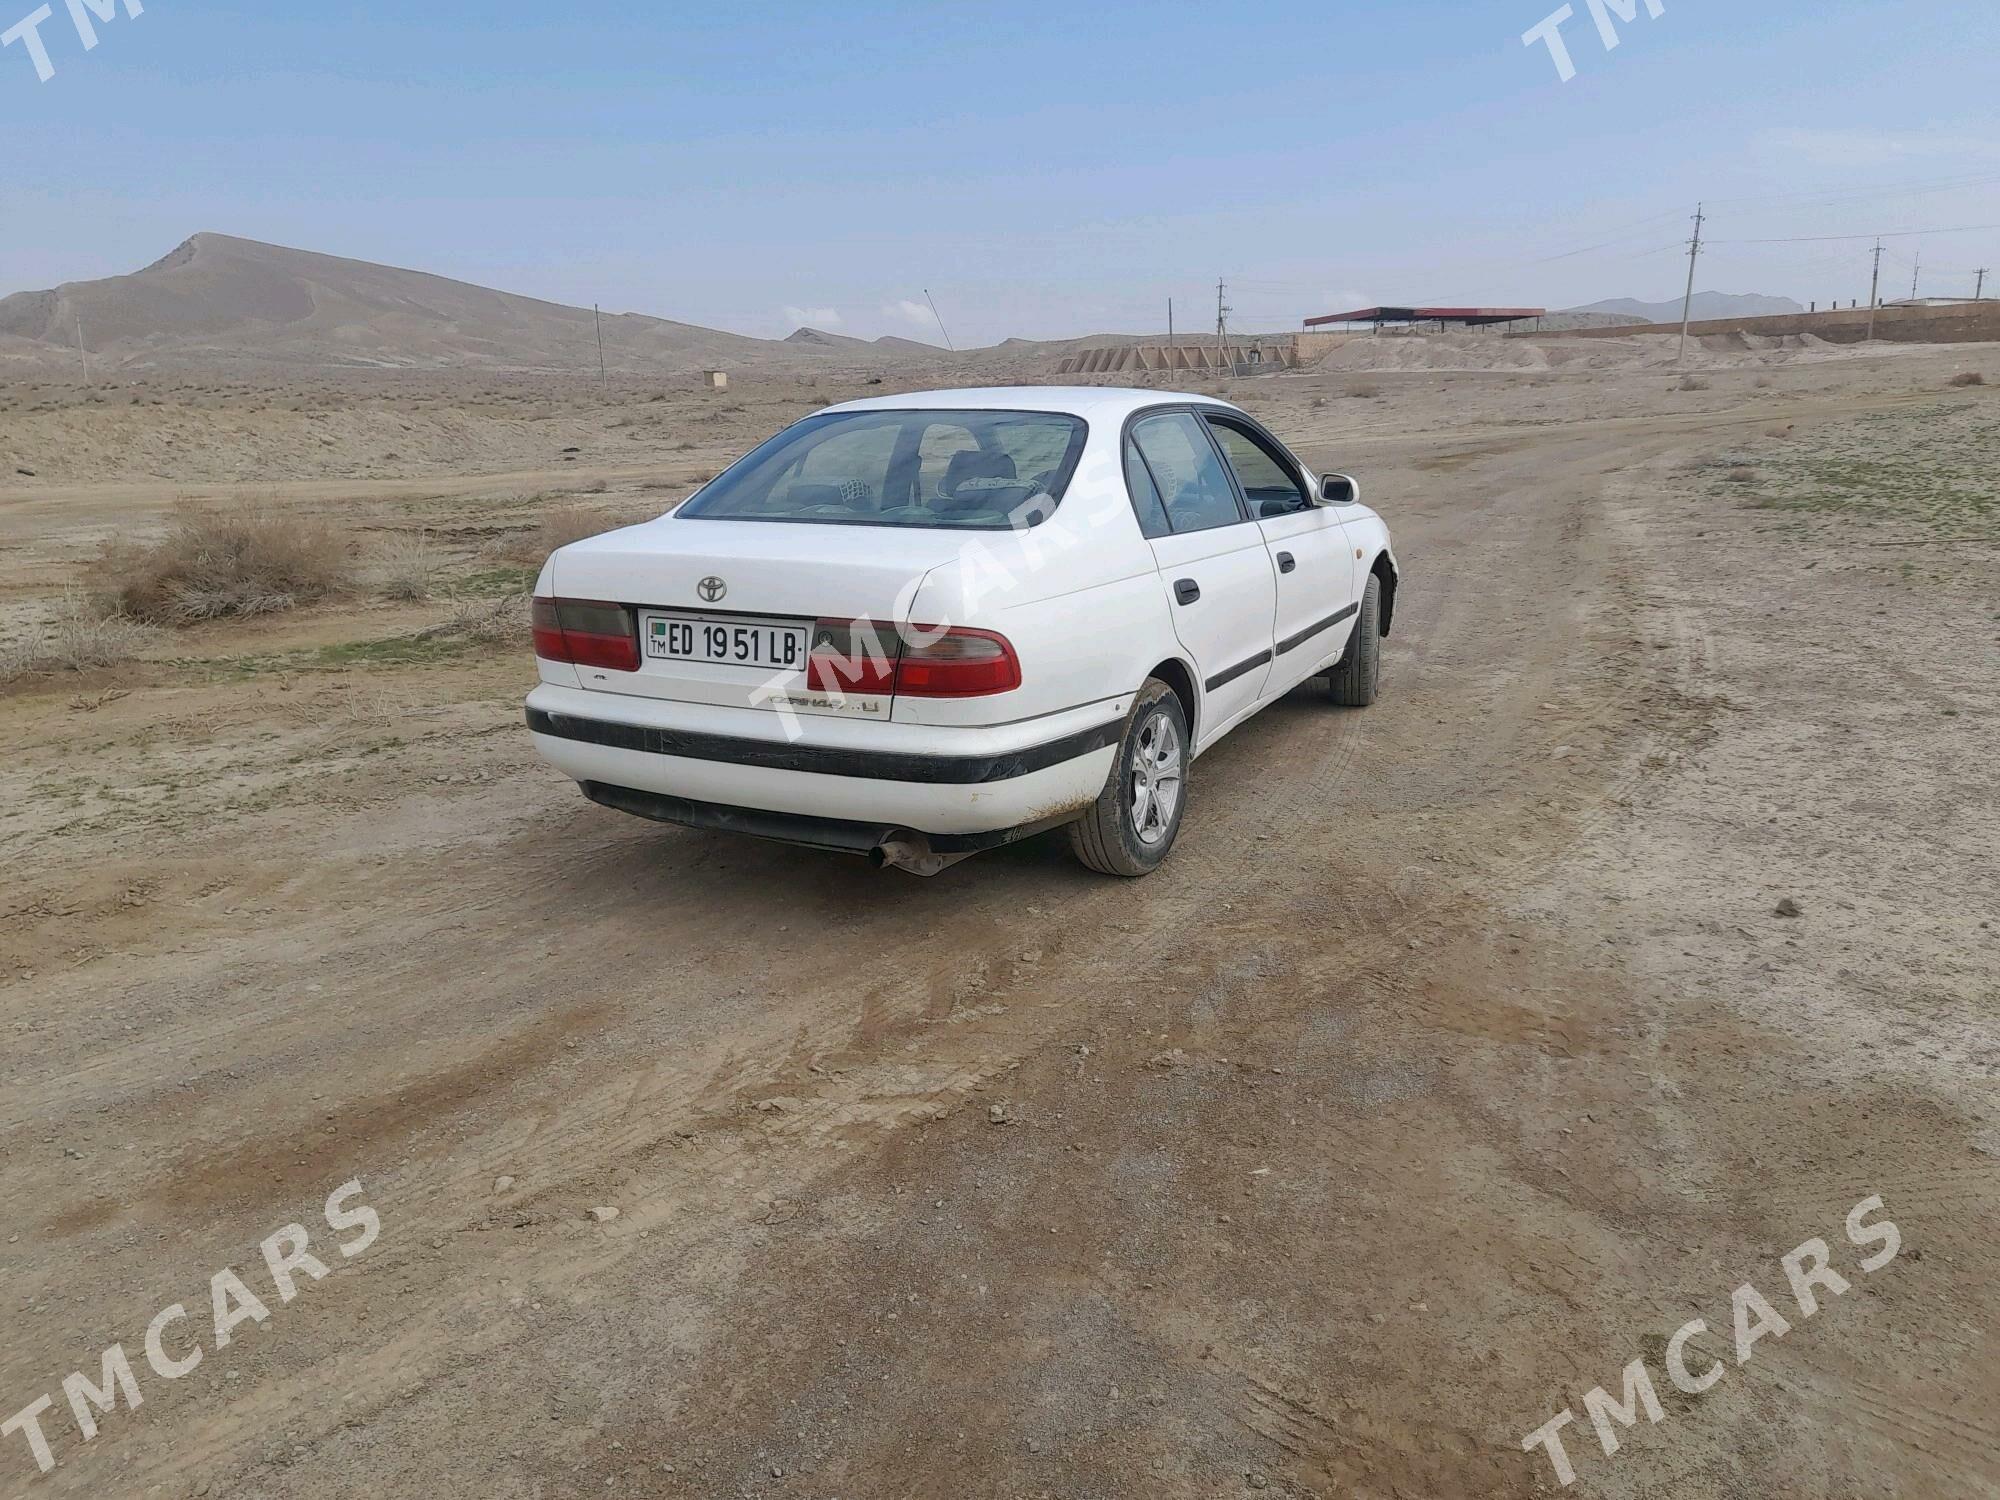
{"x": 1087, "y": 601}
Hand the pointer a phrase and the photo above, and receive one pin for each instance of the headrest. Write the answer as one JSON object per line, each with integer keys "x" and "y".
{"x": 977, "y": 464}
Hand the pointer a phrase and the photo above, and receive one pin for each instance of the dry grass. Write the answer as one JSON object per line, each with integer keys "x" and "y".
{"x": 1741, "y": 474}
{"x": 1364, "y": 390}
{"x": 75, "y": 638}
{"x": 1693, "y": 383}
{"x": 1968, "y": 377}
{"x": 408, "y": 567}
{"x": 483, "y": 620}
{"x": 572, "y": 523}
{"x": 560, "y": 527}
{"x": 218, "y": 563}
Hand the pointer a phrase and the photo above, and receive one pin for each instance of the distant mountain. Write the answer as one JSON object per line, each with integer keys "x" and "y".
{"x": 819, "y": 338}
{"x": 220, "y": 300}
{"x": 1707, "y": 305}
{"x": 1562, "y": 321}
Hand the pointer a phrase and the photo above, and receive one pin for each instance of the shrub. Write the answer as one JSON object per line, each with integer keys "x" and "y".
{"x": 572, "y": 523}
{"x": 75, "y": 638}
{"x": 1364, "y": 390}
{"x": 1968, "y": 377}
{"x": 1693, "y": 383}
{"x": 1741, "y": 474}
{"x": 216, "y": 563}
{"x": 409, "y": 566}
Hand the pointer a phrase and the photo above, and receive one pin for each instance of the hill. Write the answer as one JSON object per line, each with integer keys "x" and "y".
{"x": 218, "y": 300}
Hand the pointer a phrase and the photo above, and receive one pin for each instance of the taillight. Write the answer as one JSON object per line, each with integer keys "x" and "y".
{"x": 958, "y": 664}
{"x": 853, "y": 656}
{"x": 869, "y": 656}
{"x": 586, "y": 632}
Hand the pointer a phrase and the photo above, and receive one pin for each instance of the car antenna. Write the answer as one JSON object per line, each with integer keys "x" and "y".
{"x": 940, "y": 321}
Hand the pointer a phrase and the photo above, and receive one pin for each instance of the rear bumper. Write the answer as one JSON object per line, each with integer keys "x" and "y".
{"x": 732, "y": 768}
{"x": 839, "y": 834}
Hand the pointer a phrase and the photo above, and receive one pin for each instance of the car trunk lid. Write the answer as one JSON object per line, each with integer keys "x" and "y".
{"x": 756, "y": 590}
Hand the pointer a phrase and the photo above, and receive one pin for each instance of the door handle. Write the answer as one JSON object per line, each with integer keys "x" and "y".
{"x": 1187, "y": 591}
{"x": 1287, "y": 563}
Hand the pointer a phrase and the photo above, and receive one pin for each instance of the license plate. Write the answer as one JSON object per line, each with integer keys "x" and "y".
{"x": 726, "y": 641}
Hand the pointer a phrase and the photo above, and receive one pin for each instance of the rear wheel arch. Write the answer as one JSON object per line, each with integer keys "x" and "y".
{"x": 1175, "y": 674}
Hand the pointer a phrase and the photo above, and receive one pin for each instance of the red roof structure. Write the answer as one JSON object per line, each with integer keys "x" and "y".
{"x": 1471, "y": 317}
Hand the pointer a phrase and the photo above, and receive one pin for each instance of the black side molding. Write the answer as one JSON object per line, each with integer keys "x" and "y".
{"x": 873, "y": 765}
{"x": 1241, "y": 669}
{"x": 1294, "y": 642}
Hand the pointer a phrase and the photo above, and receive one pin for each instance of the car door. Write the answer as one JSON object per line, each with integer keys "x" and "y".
{"x": 1217, "y": 571}
{"x": 1313, "y": 562}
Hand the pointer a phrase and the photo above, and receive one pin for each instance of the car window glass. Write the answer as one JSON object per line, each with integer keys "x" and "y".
{"x": 1270, "y": 486}
{"x": 987, "y": 470}
{"x": 1146, "y": 502}
{"x": 942, "y": 442}
{"x": 856, "y": 462}
{"x": 1192, "y": 482}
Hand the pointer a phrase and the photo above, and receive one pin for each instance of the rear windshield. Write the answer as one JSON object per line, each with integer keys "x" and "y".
{"x": 975, "y": 470}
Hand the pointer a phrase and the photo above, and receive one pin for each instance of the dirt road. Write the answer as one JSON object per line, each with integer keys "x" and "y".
{"x": 1455, "y": 1061}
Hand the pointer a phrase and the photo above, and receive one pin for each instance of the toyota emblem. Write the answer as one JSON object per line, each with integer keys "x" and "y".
{"x": 711, "y": 590}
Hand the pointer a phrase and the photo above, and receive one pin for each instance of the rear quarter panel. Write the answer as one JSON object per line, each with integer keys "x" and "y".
{"x": 1078, "y": 597}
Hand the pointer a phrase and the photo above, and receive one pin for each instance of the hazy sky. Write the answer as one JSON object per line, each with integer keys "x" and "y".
{"x": 1044, "y": 170}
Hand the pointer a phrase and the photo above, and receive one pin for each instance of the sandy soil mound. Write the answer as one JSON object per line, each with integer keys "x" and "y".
{"x": 1476, "y": 351}
{"x": 1444, "y": 351}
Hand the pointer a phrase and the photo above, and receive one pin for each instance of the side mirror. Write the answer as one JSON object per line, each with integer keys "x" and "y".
{"x": 1339, "y": 489}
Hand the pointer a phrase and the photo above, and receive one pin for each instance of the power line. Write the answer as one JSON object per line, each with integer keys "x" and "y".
{"x": 1894, "y": 234}
{"x": 1899, "y": 190}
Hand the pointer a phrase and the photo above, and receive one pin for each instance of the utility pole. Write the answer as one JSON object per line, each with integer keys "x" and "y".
{"x": 1979, "y": 291}
{"x": 1222, "y": 312}
{"x": 1914, "y": 274}
{"x": 1170, "y": 322}
{"x": 598, "y": 314}
{"x": 1687, "y": 303}
{"x": 1875, "y": 291}
{"x": 82, "y": 358}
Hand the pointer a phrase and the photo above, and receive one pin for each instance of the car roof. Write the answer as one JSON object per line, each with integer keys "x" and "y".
{"x": 1094, "y": 403}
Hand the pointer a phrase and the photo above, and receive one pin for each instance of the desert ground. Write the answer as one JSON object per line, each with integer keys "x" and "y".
{"x": 1459, "y": 1056}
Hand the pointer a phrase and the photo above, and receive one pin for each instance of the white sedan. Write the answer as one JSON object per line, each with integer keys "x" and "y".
{"x": 925, "y": 625}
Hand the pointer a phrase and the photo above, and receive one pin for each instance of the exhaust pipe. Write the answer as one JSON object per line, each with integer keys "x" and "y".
{"x": 911, "y": 852}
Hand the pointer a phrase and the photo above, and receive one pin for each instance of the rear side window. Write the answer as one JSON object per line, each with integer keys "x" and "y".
{"x": 965, "y": 470}
{"x": 1146, "y": 502}
{"x": 1191, "y": 481}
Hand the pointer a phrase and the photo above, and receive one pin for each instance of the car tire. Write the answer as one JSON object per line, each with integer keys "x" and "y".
{"x": 1356, "y": 678}
{"x": 1131, "y": 827}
